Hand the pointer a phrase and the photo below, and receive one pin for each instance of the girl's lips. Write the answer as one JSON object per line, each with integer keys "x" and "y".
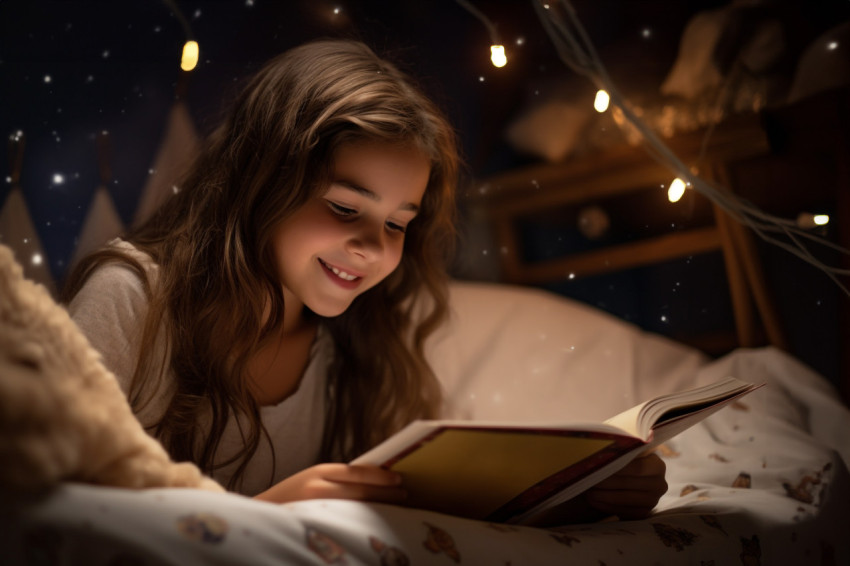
{"x": 340, "y": 277}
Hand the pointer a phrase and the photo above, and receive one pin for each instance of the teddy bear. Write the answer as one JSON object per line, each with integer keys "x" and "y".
{"x": 63, "y": 415}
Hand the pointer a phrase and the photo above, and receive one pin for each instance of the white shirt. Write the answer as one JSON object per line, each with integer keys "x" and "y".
{"x": 110, "y": 310}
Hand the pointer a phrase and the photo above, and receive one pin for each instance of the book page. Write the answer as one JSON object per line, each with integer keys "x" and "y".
{"x": 628, "y": 421}
{"x": 641, "y": 419}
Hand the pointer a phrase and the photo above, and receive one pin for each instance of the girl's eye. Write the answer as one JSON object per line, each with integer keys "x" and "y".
{"x": 340, "y": 210}
{"x": 396, "y": 227}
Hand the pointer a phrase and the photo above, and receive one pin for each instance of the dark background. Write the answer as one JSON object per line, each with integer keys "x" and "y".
{"x": 70, "y": 69}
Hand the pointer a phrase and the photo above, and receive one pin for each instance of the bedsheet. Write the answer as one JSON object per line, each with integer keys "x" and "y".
{"x": 747, "y": 486}
{"x": 764, "y": 481}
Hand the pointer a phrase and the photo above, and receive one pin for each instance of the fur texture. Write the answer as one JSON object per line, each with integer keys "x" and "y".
{"x": 63, "y": 416}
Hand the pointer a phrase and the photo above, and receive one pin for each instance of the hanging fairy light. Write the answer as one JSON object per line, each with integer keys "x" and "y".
{"x": 676, "y": 190}
{"x": 191, "y": 51}
{"x": 497, "y": 48}
{"x": 602, "y": 100}
{"x": 807, "y": 220}
{"x": 189, "y": 60}
{"x": 497, "y": 55}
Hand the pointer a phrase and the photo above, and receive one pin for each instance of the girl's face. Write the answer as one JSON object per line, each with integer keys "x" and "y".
{"x": 345, "y": 242}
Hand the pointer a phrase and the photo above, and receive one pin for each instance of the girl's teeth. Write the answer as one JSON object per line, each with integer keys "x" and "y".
{"x": 343, "y": 274}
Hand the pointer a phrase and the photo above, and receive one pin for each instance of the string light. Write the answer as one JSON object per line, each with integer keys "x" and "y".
{"x": 602, "y": 100}
{"x": 497, "y": 49}
{"x": 676, "y": 190}
{"x": 807, "y": 220}
{"x": 575, "y": 49}
{"x": 497, "y": 55}
{"x": 190, "y": 56}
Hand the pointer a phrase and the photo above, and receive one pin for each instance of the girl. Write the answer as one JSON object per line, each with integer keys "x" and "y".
{"x": 263, "y": 320}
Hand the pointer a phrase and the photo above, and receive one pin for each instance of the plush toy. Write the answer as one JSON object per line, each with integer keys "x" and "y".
{"x": 63, "y": 416}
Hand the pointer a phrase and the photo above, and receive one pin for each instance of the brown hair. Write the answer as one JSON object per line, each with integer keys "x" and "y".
{"x": 217, "y": 276}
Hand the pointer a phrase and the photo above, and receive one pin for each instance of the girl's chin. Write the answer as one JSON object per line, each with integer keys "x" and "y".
{"x": 328, "y": 309}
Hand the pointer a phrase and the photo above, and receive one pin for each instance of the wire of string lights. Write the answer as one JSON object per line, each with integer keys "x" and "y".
{"x": 491, "y": 27}
{"x": 575, "y": 49}
{"x": 497, "y": 50}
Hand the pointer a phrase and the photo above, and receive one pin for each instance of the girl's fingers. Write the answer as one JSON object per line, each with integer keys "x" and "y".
{"x": 357, "y": 491}
{"x": 649, "y": 465}
{"x": 370, "y": 475}
{"x": 632, "y": 492}
{"x": 645, "y": 473}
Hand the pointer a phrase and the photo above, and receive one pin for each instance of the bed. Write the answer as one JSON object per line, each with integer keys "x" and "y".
{"x": 764, "y": 481}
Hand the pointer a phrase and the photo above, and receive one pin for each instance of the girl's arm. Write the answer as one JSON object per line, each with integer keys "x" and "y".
{"x": 110, "y": 310}
{"x": 631, "y": 493}
{"x": 338, "y": 481}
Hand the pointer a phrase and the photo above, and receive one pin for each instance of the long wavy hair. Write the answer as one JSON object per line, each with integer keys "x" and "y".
{"x": 217, "y": 298}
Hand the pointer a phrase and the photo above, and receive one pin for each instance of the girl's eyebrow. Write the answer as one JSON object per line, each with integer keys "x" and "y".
{"x": 371, "y": 195}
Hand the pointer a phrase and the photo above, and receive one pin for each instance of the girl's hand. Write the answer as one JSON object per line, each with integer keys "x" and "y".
{"x": 632, "y": 492}
{"x": 338, "y": 481}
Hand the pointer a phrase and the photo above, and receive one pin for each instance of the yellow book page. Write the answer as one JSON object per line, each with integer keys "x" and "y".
{"x": 488, "y": 468}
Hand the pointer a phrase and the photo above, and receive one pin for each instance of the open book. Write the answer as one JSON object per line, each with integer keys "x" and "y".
{"x": 514, "y": 472}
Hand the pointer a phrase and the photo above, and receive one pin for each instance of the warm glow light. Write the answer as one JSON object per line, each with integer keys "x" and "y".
{"x": 497, "y": 55}
{"x": 676, "y": 190}
{"x": 190, "y": 56}
{"x": 601, "y": 102}
{"x": 807, "y": 220}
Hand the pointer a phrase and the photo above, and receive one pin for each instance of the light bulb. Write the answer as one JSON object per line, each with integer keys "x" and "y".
{"x": 601, "y": 101}
{"x": 190, "y": 56}
{"x": 497, "y": 55}
{"x": 807, "y": 220}
{"x": 676, "y": 190}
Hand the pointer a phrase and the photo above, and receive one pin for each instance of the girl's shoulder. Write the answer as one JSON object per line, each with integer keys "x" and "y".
{"x": 115, "y": 284}
{"x": 130, "y": 251}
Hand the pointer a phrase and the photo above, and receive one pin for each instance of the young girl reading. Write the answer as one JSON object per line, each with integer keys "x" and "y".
{"x": 271, "y": 316}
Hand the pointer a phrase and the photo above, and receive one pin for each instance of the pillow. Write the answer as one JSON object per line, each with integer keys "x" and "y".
{"x": 524, "y": 354}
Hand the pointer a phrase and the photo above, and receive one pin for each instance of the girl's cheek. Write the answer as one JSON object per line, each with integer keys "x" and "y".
{"x": 395, "y": 260}
{"x": 330, "y": 225}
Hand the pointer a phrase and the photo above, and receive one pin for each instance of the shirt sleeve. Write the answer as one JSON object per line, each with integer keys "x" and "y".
{"x": 110, "y": 310}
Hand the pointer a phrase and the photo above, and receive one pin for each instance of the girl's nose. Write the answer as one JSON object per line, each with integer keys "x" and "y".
{"x": 368, "y": 242}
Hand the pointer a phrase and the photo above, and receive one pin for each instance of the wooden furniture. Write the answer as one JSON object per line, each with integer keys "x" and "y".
{"x": 629, "y": 174}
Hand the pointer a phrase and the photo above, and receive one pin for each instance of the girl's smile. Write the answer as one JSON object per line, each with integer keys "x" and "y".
{"x": 345, "y": 279}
